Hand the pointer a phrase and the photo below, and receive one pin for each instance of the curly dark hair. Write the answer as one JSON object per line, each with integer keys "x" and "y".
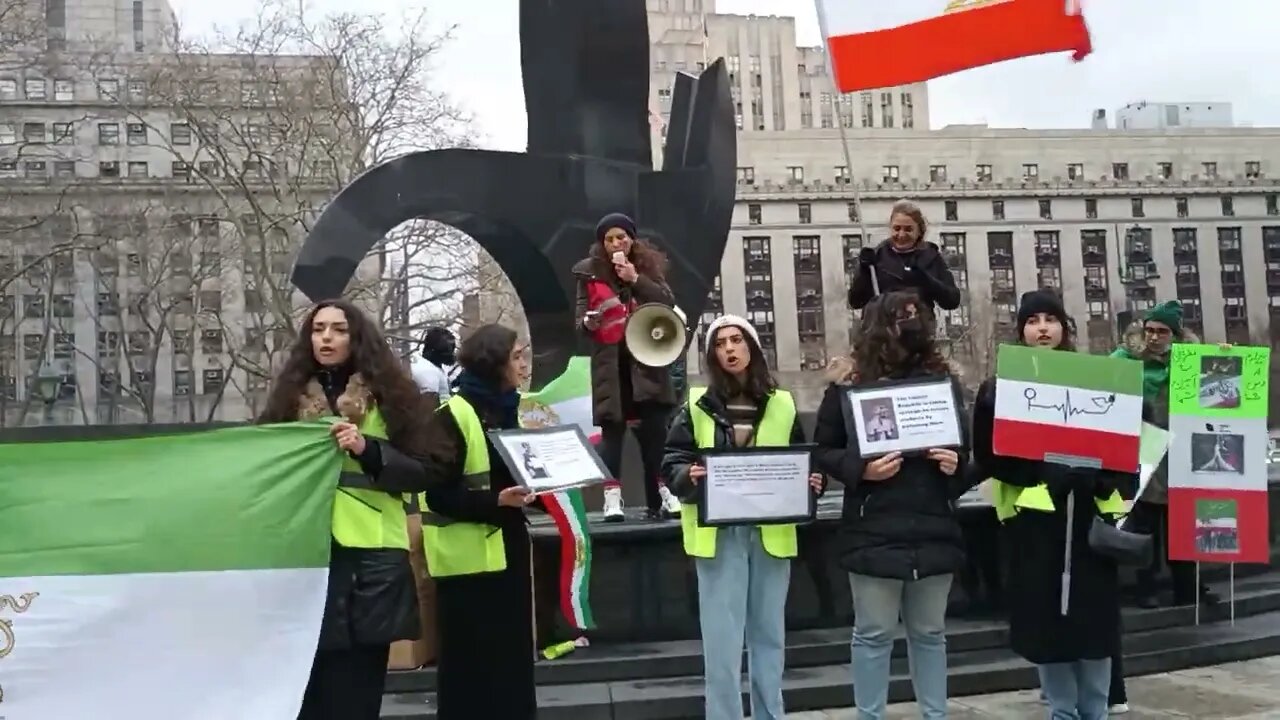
{"x": 759, "y": 382}
{"x": 649, "y": 260}
{"x": 878, "y": 354}
{"x": 486, "y": 353}
{"x": 394, "y": 391}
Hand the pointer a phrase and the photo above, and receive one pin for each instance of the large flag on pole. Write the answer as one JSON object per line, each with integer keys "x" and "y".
{"x": 883, "y": 44}
{"x": 567, "y": 401}
{"x": 164, "y": 577}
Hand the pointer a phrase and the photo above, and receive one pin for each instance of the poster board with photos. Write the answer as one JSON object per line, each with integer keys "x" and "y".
{"x": 1218, "y": 505}
{"x": 909, "y": 416}
{"x": 757, "y": 486}
{"x": 549, "y": 459}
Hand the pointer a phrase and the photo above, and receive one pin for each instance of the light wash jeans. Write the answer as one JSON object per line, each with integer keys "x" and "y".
{"x": 743, "y": 591}
{"x": 1077, "y": 690}
{"x": 877, "y": 605}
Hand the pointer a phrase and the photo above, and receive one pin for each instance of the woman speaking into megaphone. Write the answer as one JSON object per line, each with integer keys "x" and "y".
{"x": 620, "y": 273}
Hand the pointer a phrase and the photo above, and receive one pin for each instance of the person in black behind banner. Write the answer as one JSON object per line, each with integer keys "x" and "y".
{"x": 341, "y": 365}
{"x": 905, "y": 262}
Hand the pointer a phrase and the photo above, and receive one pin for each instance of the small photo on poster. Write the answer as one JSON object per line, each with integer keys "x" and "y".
{"x": 1220, "y": 381}
{"x": 534, "y": 468}
{"x": 1218, "y": 452}
{"x": 880, "y": 422}
{"x": 1217, "y": 526}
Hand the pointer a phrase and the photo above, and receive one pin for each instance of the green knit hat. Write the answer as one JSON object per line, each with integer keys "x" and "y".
{"x": 1169, "y": 313}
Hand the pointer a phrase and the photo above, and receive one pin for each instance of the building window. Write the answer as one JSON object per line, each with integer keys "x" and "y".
{"x": 180, "y": 169}
{"x": 35, "y": 169}
{"x": 35, "y": 88}
{"x": 1120, "y": 171}
{"x": 997, "y": 209}
{"x": 108, "y": 89}
{"x": 109, "y": 169}
{"x": 908, "y": 111}
{"x": 137, "y": 90}
{"x": 984, "y": 173}
{"x": 8, "y": 89}
{"x": 138, "y": 169}
{"x": 889, "y": 173}
{"x": 1165, "y": 170}
{"x": 63, "y": 133}
{"x": 1046, "y": 209}
{"x": 1075, "y": 171}
{"x": 950, "y": 211}
{"x": 938, "y": 173}
{"x": 1253, "y": 169}
{"x": 137, "y": 133}
{"x": 108, "y": 134}
{"x": 1273, "y": 204}
{"x": 1182, "y": 207}
{"x": 842, "y": 175}
{"x": 1030, "y": 172}
{"x": 1136, "y": 207}
{"x": 33, "y": 133}
{"x": 1091, "y": 208}
{"x": 64, "y": 168}
{"x": 753, "y": 214}
{"x": 886, "y": 110}
{"x": 805, "y": 213}
{"x": 64, "y": 90}
{"x": 1210, "y": 169}
{"x": 796, "y": 174}
{"x": 8, "y": 134}
{"x": 1228, "y": 206}
{"x": 212, "y": 381}
{"x": 180, "y": 133}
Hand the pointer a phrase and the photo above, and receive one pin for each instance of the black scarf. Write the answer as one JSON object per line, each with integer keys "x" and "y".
{"x": 490, "y": 402}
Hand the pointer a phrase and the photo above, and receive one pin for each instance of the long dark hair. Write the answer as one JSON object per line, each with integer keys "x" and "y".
{"x": 877, "y": 351}
{"x": 649, "y": 260}
{"x": 758, "y": 383}
{"x": 392, "y": 388}
{"x": 486, "y": 353}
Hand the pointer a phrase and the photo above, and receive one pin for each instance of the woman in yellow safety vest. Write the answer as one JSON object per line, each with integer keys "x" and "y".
{"x": 340, "y": 365}
{"x": 743, "y": 571}
{"x": 477, "y": 542}
{"x": 1073, "y": 651}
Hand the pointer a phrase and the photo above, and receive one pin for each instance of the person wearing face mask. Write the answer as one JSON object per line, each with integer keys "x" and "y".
{"x": 899, "y": 538}
{"x": 431, "y": 370}
{"x": 621, "y": 273}
{"x": 743, "y": 572}
{"x": 477, "y": 540}
{"x": 905, "y": 262}
{"x": 341, "y": 365}
{"x": 1150, "y": 341}
{"x": 1073, "y": 652}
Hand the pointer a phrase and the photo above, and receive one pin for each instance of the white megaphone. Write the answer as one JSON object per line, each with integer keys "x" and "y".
{"x": 655, "y": 335}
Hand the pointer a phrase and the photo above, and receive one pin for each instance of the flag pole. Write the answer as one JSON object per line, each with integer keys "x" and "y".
{"x": 837, "y": 98}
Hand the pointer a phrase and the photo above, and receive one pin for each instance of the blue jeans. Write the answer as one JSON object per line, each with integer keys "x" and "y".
{"x": 743, "y": 591}
{"x": 877, "y": 605}
{"x": 1076, "y": 690}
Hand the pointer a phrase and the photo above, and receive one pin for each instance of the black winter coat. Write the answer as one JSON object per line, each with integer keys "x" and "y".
{"x": 372, "y": 596}
{"x": 923, "y": 270}
{"x": 1037, "y": 629}
{"x": 682, "y": 450}
{"x": 902, "y": 528}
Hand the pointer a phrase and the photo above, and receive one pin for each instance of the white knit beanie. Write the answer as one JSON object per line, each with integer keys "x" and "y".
{"x": 728, "y": 321}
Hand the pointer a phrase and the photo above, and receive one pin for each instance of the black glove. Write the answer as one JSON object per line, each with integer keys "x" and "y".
{"x": 867, "y": 256}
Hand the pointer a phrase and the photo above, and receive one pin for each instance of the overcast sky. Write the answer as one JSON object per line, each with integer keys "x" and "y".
{"x": 1156, "y": 50}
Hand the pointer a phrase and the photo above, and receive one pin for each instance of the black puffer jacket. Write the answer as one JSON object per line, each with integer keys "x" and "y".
{"x": 922, "y": 270}
{"x": 902, "y": 528}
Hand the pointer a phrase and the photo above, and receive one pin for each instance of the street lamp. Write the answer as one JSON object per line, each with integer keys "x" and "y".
{"x": 48, "y": 385}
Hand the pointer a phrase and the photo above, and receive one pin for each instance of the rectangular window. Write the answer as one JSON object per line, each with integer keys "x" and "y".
{"x": 108, "y": 134}
{"x": 64, "y": 90}
{"x": 35, "y": 88}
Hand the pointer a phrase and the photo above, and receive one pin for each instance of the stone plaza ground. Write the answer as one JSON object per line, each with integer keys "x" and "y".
{"x": 1236, "y": 691}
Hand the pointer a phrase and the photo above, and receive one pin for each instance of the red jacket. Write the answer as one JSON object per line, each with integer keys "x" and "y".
{"x": 613, "y": 314}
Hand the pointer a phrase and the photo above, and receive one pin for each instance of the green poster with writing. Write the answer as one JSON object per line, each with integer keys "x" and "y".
{"x": 1209, "y": 381}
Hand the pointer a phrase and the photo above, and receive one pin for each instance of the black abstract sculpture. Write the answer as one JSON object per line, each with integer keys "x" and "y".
{"x": 586, "y": 81}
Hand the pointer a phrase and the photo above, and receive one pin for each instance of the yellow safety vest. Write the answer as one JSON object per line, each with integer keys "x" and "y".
{"x": 454, "y": 547}
{"x": 364, "y": 517}
{"x": 774, "y": 431}
{"x": 1009, "y": 500}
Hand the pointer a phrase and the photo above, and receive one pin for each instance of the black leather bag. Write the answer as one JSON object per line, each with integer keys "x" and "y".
{"x": 1126, "y": 548}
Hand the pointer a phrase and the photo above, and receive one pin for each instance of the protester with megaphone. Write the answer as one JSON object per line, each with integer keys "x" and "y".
{"x": 630, "y": 385}
{"x": 743, "y": 571}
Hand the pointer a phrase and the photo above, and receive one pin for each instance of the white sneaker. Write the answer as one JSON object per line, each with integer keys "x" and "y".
{"x": 1118, "y": 709}
{"x": 670, "y": 503}
{"x": 613, "y": 505}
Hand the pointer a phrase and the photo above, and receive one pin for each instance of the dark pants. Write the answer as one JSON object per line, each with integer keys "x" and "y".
{"x": 1118, "y": 695}
{"x": 1154, "y": 519}
{"x": 651, "y": 433}
{"x": 346, "y": 684}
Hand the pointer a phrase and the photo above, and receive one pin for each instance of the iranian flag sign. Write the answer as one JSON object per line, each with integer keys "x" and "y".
{"x": 1068, "y": 407}
{"x": 883, "y": 44}
{"x": 164, "y": 577}
{"x": 566, "y": 400}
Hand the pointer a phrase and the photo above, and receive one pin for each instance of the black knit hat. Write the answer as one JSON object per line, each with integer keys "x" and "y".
{"x": 1042, "y": 301}
{"x": 615, "y": 220}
